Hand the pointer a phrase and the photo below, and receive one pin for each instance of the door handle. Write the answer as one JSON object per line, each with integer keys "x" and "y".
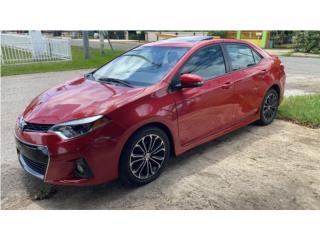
{"x": 227, "y": 85}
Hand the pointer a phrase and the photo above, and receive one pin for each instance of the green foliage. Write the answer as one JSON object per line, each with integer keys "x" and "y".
{"x": 304, "y": 110}
{"x": 137, "y": 36}
{"x": 307, "y": 41}
{"x": 278, "y": 37}
{"x": 221, "y": 34}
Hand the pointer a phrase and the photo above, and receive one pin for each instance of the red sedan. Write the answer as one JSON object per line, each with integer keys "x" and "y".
{"x": 130, "y": 116}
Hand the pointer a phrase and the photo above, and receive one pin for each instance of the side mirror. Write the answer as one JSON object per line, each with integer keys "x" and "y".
{"x": 189, "y": 80}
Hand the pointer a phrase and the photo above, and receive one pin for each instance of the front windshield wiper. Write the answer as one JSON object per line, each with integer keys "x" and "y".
{"x": 144, "y": 58}
{"x": 115, "y": 80}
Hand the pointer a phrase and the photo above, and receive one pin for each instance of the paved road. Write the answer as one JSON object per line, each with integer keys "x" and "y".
{"x": 303, "y": 75}
{"x": 274, "y": 167}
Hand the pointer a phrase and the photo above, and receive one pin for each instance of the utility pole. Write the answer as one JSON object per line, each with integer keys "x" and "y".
{"x": 101, "y": 37}
{"x": 86, "y": 50}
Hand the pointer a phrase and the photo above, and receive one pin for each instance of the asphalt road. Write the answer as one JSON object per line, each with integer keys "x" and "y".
{"x": 273, "y": 167}
{"x": 303, "y": 75}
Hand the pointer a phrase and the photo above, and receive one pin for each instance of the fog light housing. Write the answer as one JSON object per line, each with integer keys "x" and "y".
{"x": 82, "y": 169}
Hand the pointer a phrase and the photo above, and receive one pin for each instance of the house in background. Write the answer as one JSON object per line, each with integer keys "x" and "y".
{"x": 259, "y": 38}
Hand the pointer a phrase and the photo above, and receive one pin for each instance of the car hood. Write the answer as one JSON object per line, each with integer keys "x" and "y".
{"x": 76, "y": 99}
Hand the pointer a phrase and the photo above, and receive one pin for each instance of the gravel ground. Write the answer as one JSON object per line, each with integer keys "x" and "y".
{"x": 273, "y": 167}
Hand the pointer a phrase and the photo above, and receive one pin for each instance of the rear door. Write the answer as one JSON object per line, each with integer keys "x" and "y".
{"x": 203, "y": 110}
{"x": 247, "y": 78}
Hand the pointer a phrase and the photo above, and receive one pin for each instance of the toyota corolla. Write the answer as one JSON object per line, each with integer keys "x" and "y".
{"x": 129, "y": 117}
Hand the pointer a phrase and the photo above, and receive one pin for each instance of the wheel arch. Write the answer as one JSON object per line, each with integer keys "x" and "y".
{"x": 274, "y": 86}
{"x": 160, "y": 125}
{"x": 277, "y": 88}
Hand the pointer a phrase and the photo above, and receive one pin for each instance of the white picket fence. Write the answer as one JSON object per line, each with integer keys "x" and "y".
{"x": 19, "y": 49}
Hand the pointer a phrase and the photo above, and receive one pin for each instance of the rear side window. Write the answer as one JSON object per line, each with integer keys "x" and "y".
{"x": 240, "y": 56}
{"x": 208, "y": 62}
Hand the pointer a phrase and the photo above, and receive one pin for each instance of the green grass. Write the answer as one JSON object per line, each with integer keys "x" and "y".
{"x": 78, "y": 62}
{"x": 304, "y": 110}
{"x": 288, "y": 54}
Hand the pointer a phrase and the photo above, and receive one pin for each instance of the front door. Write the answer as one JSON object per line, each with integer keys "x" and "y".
{"x": 209, "y": 108}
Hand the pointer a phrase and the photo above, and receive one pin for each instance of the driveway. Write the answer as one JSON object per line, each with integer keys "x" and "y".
{"x": 273, "y": 167}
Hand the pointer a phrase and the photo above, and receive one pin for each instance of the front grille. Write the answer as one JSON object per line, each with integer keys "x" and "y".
{"x": 35, "y": 127}
{"x": 33, "y": 158}
{"x": 39, "y": 167}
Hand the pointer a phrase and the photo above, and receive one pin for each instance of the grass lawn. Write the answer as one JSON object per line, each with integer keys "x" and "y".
{"x": 304, "y": 110}
{"x": 78, "y": 62}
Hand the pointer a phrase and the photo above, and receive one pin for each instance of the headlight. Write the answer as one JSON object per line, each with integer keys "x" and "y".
{"x": 79, "y": 127}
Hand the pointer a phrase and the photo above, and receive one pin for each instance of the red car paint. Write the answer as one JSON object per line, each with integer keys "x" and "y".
{"x": 191, "y": 116}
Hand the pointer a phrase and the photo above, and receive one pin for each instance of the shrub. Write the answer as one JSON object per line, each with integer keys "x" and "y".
{"x": 307, "y": 41}
{"x": 221, "y": 34}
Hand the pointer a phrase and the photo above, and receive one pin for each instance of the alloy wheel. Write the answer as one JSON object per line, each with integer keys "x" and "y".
{"x": 147, "y": 156}
{"x": 270, "y": 106}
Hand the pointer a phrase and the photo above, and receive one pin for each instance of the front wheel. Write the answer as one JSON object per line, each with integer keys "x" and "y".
{"x": 269, "y": 107}
{"x": 144, "y": 156}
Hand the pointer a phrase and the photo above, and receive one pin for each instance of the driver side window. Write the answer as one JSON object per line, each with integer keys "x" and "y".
{"x": 208, "y": 63}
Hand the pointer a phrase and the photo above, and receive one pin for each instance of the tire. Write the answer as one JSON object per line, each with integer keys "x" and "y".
{"x": 269, "y": 107}
{"x": 144, "y": 156}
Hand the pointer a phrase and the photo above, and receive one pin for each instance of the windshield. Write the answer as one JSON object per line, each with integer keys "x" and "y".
{"x": 142, "y": 66}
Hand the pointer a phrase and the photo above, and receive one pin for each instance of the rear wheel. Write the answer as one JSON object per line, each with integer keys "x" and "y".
{"x": 144, "y": 156}
{"x": 269, "y": 107}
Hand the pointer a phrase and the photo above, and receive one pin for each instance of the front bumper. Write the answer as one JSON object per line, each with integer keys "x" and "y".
{"x": 50, "y": 158}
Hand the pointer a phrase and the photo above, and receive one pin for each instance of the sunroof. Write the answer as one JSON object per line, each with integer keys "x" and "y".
{"x": 188, "y": 39}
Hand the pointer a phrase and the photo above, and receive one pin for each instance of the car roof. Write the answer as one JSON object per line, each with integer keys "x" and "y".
{"x": 192, "y": 41}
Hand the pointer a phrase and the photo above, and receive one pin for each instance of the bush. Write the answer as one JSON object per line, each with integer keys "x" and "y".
{"x": 307, "y": 41}
{"x": 278, "y": 37}
{"x": 136, "y": 36}
{"x": 221, "y": 34}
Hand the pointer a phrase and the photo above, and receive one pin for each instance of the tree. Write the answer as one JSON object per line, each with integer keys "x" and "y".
{"x": 86, "y": 50}
{"x": 221, "y": 34}
{"x": 108, "y": 37}
{"x": 101, "y": 38}
{"x": 278, "y": 37}
{"x": 307, "y": 41}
